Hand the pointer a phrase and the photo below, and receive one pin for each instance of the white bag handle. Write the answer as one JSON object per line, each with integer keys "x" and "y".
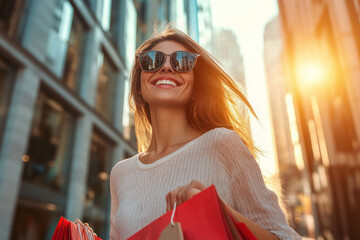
{"x": 172, "y": 215}
{"x": 89, "y": 233}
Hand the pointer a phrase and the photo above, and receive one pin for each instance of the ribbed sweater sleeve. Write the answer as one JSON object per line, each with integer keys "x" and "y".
{"x": 250, "y": 195}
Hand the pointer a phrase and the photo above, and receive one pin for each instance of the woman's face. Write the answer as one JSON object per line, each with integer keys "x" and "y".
{"x": 166, "y": 94}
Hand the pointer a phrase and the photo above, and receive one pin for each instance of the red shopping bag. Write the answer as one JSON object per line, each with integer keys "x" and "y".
{"x": 202, "y": 217}
{"x": 67, "y": 230}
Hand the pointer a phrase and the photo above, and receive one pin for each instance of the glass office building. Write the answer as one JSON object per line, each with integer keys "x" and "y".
{"x": 64, "y": 69}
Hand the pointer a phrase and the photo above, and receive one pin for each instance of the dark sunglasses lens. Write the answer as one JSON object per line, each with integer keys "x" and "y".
{"x": 151, "y": 61}
{"x": 183, "y": 61}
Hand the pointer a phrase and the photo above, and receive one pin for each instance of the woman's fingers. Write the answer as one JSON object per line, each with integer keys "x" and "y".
{"x": 196, "y": 184}
{"x": 183, "y": 193}
{"x": 171, "y": 199}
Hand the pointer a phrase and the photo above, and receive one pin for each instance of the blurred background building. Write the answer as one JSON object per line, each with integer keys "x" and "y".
{"x": 226, "y": 49}
{"x": 64, "y": 119}
{"x": 312, "y": 56}
{"x": 229, "y": 54}
{"x": 64, "y": 66}
{"x": 190, "y": 16}
{"x": 294, "y": 183}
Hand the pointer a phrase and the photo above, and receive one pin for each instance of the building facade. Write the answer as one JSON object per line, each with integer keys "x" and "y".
{"x": 227, "y": 50}
{"x": 296, "y": 194}
{"x": 190, "y": 16}
{"x": 322, "y": 68}
{"x": 64, "y": 68}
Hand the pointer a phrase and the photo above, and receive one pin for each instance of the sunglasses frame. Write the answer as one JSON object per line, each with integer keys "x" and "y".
{"x": 166, "y": 55}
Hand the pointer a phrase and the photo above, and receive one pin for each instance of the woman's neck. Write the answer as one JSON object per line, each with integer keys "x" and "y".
{"x": 170, "y": 130}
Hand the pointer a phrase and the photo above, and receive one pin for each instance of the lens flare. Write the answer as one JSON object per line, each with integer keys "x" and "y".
{"x": 311, "y": 73}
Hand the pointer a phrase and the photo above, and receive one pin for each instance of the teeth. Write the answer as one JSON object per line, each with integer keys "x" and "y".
{"x": 168, "y": 82}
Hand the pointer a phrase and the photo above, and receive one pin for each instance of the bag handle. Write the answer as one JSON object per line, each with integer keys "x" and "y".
{"x": 78, "y": 227}
{"x": 173, "y": 230}
{"x": 89, "y": 234}
{"x": 172, "y": 215}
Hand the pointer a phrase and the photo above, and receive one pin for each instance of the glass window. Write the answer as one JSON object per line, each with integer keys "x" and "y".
{"x": 110, "y": 19}
{"x": 91, "y": 4}
{"x": 66, "y": 45}
{"x": 6, "y": 75}
{"x": 97, "y": 199}
{"x": 60, "y": 43}
{"x": 114, "y": 16}
{"x": 10, "y": 16}
{"x": 48, "y": 154}
{"x": 42, "y": 194}
{"x": 105, "y": 87}
{"x": 129, "y": 38}
{"x": 108, "y": 11}
{"x": 35, "y": 220}
{"x": 58, "y": 34}
{"x": 106, "y": 18}
{"x": 141, "y": 7}
{"x": 75, "y": 53}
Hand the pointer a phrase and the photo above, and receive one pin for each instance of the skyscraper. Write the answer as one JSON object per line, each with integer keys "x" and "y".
{"x": 190, "y": 16}
{"x": 322, "y": 62}
{"x": 295, "y": 187}
{"x": 64, "y": 68}
{"x": 226, "y": 50}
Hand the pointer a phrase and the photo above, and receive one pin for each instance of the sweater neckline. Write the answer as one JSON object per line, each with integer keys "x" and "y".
{"x": 170, "y": 155}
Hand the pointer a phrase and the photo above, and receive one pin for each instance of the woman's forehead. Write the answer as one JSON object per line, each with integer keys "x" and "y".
{"x": 169, "y": 46}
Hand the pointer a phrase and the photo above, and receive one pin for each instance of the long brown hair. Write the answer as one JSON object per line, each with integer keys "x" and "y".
{"x": 217, "y": 101}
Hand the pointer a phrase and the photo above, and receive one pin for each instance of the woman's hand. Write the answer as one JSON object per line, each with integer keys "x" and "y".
{"x": 183, "y": 193}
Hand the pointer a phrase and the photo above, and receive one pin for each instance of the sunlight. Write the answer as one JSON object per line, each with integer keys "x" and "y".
{"x": 311, "y": 73}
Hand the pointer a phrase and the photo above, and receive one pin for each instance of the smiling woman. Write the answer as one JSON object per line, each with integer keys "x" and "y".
{"x": 211, "y": 98}
{"x": 191, "y": 134}
{"x": 171, "y": 82}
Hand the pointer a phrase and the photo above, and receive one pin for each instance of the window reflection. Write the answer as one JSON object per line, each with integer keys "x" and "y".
{"x": 97, "y": 195}
{"x": 105, "y": 88}
{"x": 10, "y": 16}
{"x": 47, "y": 157}
{"x": 6, "y": 76}
{"x": 75, "y": 53}
{"x": 34, "y": 221}
{"x": 114, "y": 19}
{"x": 110, "y": 18}
{"x": 43, "y": 189}
{"x": 106, "y": 14}
{"x": 59, "y": 34}
{"x": 60, "y": 43}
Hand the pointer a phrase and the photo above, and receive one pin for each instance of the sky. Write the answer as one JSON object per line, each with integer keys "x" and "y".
{"x": 247, "y": 19}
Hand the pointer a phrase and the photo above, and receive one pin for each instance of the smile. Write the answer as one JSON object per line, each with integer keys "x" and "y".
{"x": 165, "y": 82}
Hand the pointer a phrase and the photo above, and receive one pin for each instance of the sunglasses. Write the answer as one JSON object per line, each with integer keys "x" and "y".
{"x": 181, "y": 61}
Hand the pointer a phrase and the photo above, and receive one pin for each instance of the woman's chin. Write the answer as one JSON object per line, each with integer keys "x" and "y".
{"x": 169, "y": 102}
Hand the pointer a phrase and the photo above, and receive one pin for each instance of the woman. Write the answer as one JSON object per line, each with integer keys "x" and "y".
{"x": 191, "y": 133}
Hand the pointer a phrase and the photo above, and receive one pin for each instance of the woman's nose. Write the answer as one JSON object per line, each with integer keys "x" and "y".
{"x": 167, "y": 66}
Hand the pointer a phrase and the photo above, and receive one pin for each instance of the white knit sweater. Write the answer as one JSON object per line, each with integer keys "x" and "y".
{"x": 218, "y": 157}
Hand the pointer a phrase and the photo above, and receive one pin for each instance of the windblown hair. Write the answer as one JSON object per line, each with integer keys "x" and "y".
{"x": 217, "y": 100}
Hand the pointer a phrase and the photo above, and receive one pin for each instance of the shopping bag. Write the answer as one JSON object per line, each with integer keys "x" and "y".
{"x": 202, "y": 217}
{"x": 67, "y": 230}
